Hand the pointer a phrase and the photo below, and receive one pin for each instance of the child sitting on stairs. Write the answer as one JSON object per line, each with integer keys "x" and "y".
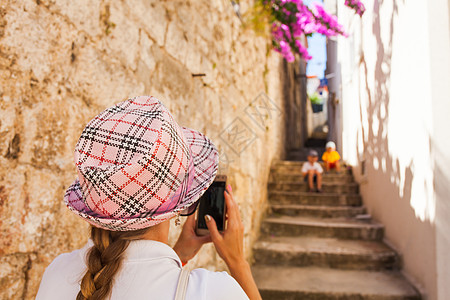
{"x": 331, "y": 157}
{"x": 312, "y": 171}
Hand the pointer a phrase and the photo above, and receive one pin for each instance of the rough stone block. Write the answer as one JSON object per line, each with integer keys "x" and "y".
{"x": 85, "y": 14}
{"x": 121, "y": 35}
{"x": 151, "y": 16}
{"x": 13, "y": 278}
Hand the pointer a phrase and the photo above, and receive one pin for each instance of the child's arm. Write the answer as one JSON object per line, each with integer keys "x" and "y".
{"x": 338, "y": 157}
{"x": 304, "y": 170}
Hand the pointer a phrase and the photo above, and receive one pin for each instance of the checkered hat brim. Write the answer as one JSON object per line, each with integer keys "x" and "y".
{"x": 137, "y": 167}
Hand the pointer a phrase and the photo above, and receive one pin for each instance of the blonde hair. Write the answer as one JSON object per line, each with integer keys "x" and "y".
{"x": 104, "y": 260}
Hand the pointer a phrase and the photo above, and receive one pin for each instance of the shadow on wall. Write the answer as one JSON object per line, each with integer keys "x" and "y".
{"x": 400, "y": 191}
{"x": 334, "y": 114}
{"x": 375, "y": 149}
{"x": 374, "y": 113}
{"x": 441, "y": 177}
{"x": 294, "y": 95}
{"x": 441, "y": 182}
{"x": 395, "y": 180}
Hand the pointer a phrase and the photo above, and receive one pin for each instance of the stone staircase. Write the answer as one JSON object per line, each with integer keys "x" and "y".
{"x": 323, "y": 246}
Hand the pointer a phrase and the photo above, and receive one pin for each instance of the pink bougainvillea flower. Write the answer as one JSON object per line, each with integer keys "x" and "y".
{"x": 292, "y": 20}
{"x": 302, "y": 50}
{"x": 356, "y": 5}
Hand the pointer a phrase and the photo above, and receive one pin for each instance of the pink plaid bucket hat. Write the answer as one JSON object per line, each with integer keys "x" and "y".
{"x": 137, "y": 167}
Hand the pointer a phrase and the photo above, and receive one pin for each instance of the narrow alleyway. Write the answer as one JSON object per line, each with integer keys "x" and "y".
{"x": 317, "y": 246}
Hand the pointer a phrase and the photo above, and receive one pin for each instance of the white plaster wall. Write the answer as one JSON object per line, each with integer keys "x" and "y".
{"x": 439, "y": 43}
{"x": 395, "y": 81}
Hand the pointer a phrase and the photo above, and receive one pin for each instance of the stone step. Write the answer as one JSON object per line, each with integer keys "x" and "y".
{"x": 299, "y": 163}
{"x": 306, "y": 198}
{"x": 312, "y": 283}
{"x": 325, "y": 252}
{"x": 291, "y": 167}
{"x": 317, "y": 211}
{"x": 339, "y": 188}
{"x": 296, "y": 163}
{"x": 297, "y": 166}
{"x": 298, "y": 177}
{"x": 333, "y": 228}
{"x": 297, "y": 169}
{"x": 290, "y": 163}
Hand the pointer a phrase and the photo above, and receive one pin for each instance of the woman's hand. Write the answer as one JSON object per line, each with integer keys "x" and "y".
{"x": 189, "y": 243}
{"x": 230, "y": 246}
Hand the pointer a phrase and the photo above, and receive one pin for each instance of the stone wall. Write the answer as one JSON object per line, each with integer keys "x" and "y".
{"x": 62, "y": 62}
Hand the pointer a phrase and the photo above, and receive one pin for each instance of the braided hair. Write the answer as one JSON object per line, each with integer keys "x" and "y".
{"x": 104, "y": 260}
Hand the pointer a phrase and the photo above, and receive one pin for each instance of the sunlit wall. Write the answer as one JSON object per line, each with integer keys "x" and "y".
{"x": 395, "y": 128}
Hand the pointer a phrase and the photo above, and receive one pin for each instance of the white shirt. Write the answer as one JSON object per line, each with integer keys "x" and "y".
{"x": 308, "y": 166}
{"x": 150, "y": 270}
